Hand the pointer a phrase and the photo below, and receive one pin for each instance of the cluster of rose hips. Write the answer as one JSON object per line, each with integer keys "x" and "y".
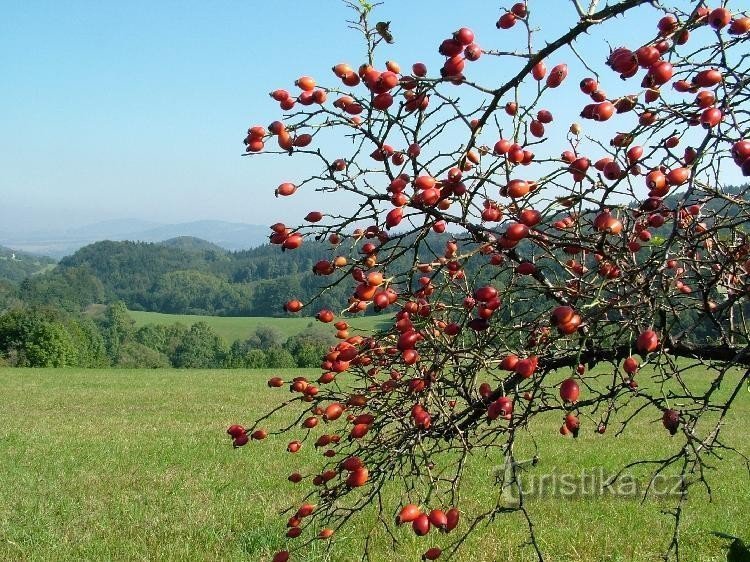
{"x": 647, "y": 342}
{"x": 502, "y": 407}
{"x": 482, "y": 303}
{"x": 458, "y": 49}
{"x": 284, "y": 237}
{"x": 509, "y": 18}
{"x": 240, "y": 437}
{"x": 659, "y": 72}
{"x": 421, "y": 522}
{"x": 353, "y": 470}
{"x": 622, "y": 60}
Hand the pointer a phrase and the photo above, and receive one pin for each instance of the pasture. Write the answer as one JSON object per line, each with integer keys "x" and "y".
{"x": 232, "y": 328}
{"x": 135, "y": 464}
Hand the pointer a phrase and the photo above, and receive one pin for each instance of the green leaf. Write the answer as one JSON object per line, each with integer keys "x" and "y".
{"x": 657, "y": 241}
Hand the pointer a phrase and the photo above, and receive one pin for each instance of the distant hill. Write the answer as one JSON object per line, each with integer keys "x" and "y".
{"x": 191, "y": 275}
{"x": 59, "y": 243}
{"x": 187, "y": 275}
{"x": 15, "y": 266}
{"x": 192, "y": 244}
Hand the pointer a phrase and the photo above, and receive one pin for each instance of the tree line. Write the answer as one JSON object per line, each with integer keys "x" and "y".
{"x": 106, "y": 336}
{"x": 47, "y": 318}
{"x": 188, "y": 279}
{"x": 190, "y": 276}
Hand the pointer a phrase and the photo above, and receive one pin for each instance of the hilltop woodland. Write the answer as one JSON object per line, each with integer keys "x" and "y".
{"x": 64, "y": 314}
{"x": 75, "y": 314}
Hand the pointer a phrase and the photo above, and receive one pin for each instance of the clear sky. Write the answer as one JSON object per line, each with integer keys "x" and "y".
{"x": 138, "y": 109}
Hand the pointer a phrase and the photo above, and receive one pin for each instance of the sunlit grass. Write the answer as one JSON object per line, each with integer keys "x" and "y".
{"x": 241, "y": 327}
{"x": 121, "y": 464}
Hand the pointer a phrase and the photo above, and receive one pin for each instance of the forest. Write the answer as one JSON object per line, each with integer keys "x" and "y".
{"x": 75, "y": 313}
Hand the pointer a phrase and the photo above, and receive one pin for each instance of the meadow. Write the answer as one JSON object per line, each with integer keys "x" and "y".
{"x": 135, "y": 464}
{"x": 232, "y": 328}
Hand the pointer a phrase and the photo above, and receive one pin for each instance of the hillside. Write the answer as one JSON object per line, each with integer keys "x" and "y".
{"x": 15, "y": 266}
{"x": 192, "y": 244}
{"x": 189, "y": 275}
{"x": 192, "y": 276}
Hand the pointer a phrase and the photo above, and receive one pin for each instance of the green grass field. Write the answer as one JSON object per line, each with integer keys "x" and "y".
{"x": 240, "y": 327}
{"x": 135, "y": 465}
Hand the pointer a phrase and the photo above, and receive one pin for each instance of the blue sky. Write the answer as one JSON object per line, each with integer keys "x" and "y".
{"x": 138, "y": 109}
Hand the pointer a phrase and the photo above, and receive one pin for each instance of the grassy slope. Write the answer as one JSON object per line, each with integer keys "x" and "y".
{"x": 134, "y": 465}
{"x": 240, "y": 327}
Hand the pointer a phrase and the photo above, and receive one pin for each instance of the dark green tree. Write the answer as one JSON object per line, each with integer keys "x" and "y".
{"x": 268, "y": 294}
{"x": 117, "y": 327}
{"x": 8, "y": 295}
{"x": 279, "y": 358}
{"x": 200, "y": 348}
{"x": 135, "y": 355}
{"x": 164, "y": 338}
{"x": 46, "y": 337}
{"x": 72, "y": 289}
{"x": 264, "y": 337}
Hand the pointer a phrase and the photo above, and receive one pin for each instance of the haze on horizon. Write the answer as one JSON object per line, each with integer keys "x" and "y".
{"x": 138, "y": 109}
